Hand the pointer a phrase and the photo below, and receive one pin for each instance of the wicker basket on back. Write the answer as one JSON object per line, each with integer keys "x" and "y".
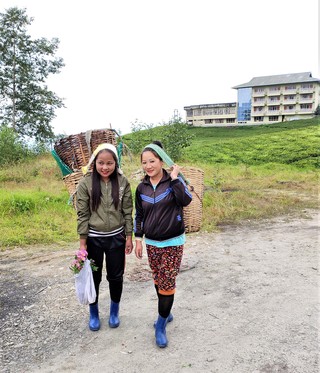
{"x": 193, "y": 212}
{"x": 71, "y": 181}
{"x": 75, "y": 150}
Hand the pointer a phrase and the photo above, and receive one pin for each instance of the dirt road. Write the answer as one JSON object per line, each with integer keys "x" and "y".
{"x": 247, "y": 301}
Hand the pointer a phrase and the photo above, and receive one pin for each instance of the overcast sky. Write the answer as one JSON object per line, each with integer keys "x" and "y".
{"x": 144, "y": 59}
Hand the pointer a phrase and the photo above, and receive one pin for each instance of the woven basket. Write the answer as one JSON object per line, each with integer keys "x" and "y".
{"x": 71, "y": 181}
{"x": 101, "y": 136}
{"x": 75, "y": 150}
{"x": 193, "y": 212}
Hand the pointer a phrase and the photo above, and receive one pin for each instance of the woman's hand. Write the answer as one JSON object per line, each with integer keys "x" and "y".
{"x": 83, "y": 244}
{"x": 138, "y": 249}
{"x": 175, "y": 169}
{"x": 129, "y": 245}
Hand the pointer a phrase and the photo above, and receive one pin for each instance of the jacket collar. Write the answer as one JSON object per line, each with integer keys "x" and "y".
{"x": 165, "y": 177}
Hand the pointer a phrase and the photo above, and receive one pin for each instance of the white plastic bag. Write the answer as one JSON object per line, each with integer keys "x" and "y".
{"x": 85, "y": 289}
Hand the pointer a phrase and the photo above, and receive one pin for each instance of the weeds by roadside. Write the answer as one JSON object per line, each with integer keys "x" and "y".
{"x": 35, "y": 208}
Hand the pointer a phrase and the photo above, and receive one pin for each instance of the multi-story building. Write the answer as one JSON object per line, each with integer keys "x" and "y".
{"x": 264, "y": 99}
{"x": 211, "y": 114}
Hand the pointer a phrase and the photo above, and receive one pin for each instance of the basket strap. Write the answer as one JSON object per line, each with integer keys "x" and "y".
{"x": 88, "y": 141}
{"x": 81, "y": 149}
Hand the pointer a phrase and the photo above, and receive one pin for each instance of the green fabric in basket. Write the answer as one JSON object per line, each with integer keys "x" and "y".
{"x": 63, "y": 167}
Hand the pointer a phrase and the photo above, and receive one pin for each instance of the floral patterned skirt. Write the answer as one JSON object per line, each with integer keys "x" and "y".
{"x": 165, "y": 265}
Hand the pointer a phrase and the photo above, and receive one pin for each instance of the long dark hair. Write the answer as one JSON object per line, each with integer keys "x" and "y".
{"x": 96, "y": 186}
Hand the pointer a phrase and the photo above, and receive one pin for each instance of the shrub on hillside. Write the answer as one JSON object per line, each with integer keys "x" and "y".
{"x": 12, "y": 149}
{"x": 174, "y": 135}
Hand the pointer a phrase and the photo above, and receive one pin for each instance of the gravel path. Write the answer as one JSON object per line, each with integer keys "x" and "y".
{"x": 247, "y": 301}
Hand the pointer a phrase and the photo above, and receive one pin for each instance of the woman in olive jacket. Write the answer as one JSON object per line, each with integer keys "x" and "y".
{"x": 104, "y": 209}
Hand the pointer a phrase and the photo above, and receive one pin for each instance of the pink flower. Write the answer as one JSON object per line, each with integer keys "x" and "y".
{"x": 78, "y": 262}
{"x": 82, "y": 254}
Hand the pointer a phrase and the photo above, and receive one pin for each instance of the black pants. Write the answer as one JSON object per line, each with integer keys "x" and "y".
{"x": 114, "y": 250}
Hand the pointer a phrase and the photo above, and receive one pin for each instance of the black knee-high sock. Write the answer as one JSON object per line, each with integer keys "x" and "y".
{"x": 165, "y": 304}
{"x": 157, "y": 289}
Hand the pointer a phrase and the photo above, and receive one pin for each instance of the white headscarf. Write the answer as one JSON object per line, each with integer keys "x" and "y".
{"x": 104, "y": 146}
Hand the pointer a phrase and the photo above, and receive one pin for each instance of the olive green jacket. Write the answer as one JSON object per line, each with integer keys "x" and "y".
{"x": 106, "y": 218}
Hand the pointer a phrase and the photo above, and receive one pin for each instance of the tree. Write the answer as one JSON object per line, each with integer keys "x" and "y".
{"x": 175, "y": 136}
{"x": 317, "y": 112}
{"x": 26, "y": 104}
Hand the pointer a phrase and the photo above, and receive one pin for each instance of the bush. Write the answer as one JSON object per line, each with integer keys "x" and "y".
{"x": 174, "y": 135}
{"x": 12, "y": 149}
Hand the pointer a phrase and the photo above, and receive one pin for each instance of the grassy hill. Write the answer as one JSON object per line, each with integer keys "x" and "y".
{"x": 250, "y": 173}
{"x": 296, "y": 143}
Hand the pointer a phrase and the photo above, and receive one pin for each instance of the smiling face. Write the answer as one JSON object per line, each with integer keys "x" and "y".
{"x": 105, "y": 164}
{"x": 151, "y": 165}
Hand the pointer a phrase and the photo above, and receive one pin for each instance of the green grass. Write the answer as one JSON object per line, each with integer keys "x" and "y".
{"x": 296, "y": 143}
{"x": 250, "y": 173}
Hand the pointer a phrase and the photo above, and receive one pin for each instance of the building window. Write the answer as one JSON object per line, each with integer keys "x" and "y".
{"x": 290, "y": 87}
{"x": 289, "y": 97}
{"x": 258, "y": 108}
{"x": 273, "y": 118}
{"x": 288, "y": 107}
{"x": 230, "y": 120}
{"x": 208, "y": 121}
{"x": 244, "y": 104}
{"x": 197, "y": 112}
{"x": 306, "y": 86}
{"x": 258, "y": 119}
{"x": 306, "y": 96}
{"x": 306, "y": 106}
{"x": 219, "y": 120}
{"x": 207, "y": 112}
{"x": 274, "y": 98}
{"x": 274, "y": 108}
{"x": 258, "y": 90}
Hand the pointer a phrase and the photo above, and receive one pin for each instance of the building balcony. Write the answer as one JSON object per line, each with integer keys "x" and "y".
{"x": 259, "y": 103}
{"x": 306, "y": 110}
{"x": 306, "y": 90}
{"x": 273, "y": 112}
{"x": 288, "y": 102}
{"x": 259, "y": 113}
{"x": 306, "y": 100}
{"x": 275, "y": 103}
{"x": 274, "y": 93}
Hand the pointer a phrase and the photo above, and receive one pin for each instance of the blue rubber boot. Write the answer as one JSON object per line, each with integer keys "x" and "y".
{"x": 94, "y": 322}
{"x": 169, "y": 319}
{"x": 114, "y": 321}
{"x": 160, "y": 333}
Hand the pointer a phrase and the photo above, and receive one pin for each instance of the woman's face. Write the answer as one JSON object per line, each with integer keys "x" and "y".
{"x": 151, "y": 165}
{"x": 105, "y": 164}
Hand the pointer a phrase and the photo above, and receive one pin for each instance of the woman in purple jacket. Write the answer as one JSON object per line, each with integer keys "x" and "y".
{"x": 159, "y": 202}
